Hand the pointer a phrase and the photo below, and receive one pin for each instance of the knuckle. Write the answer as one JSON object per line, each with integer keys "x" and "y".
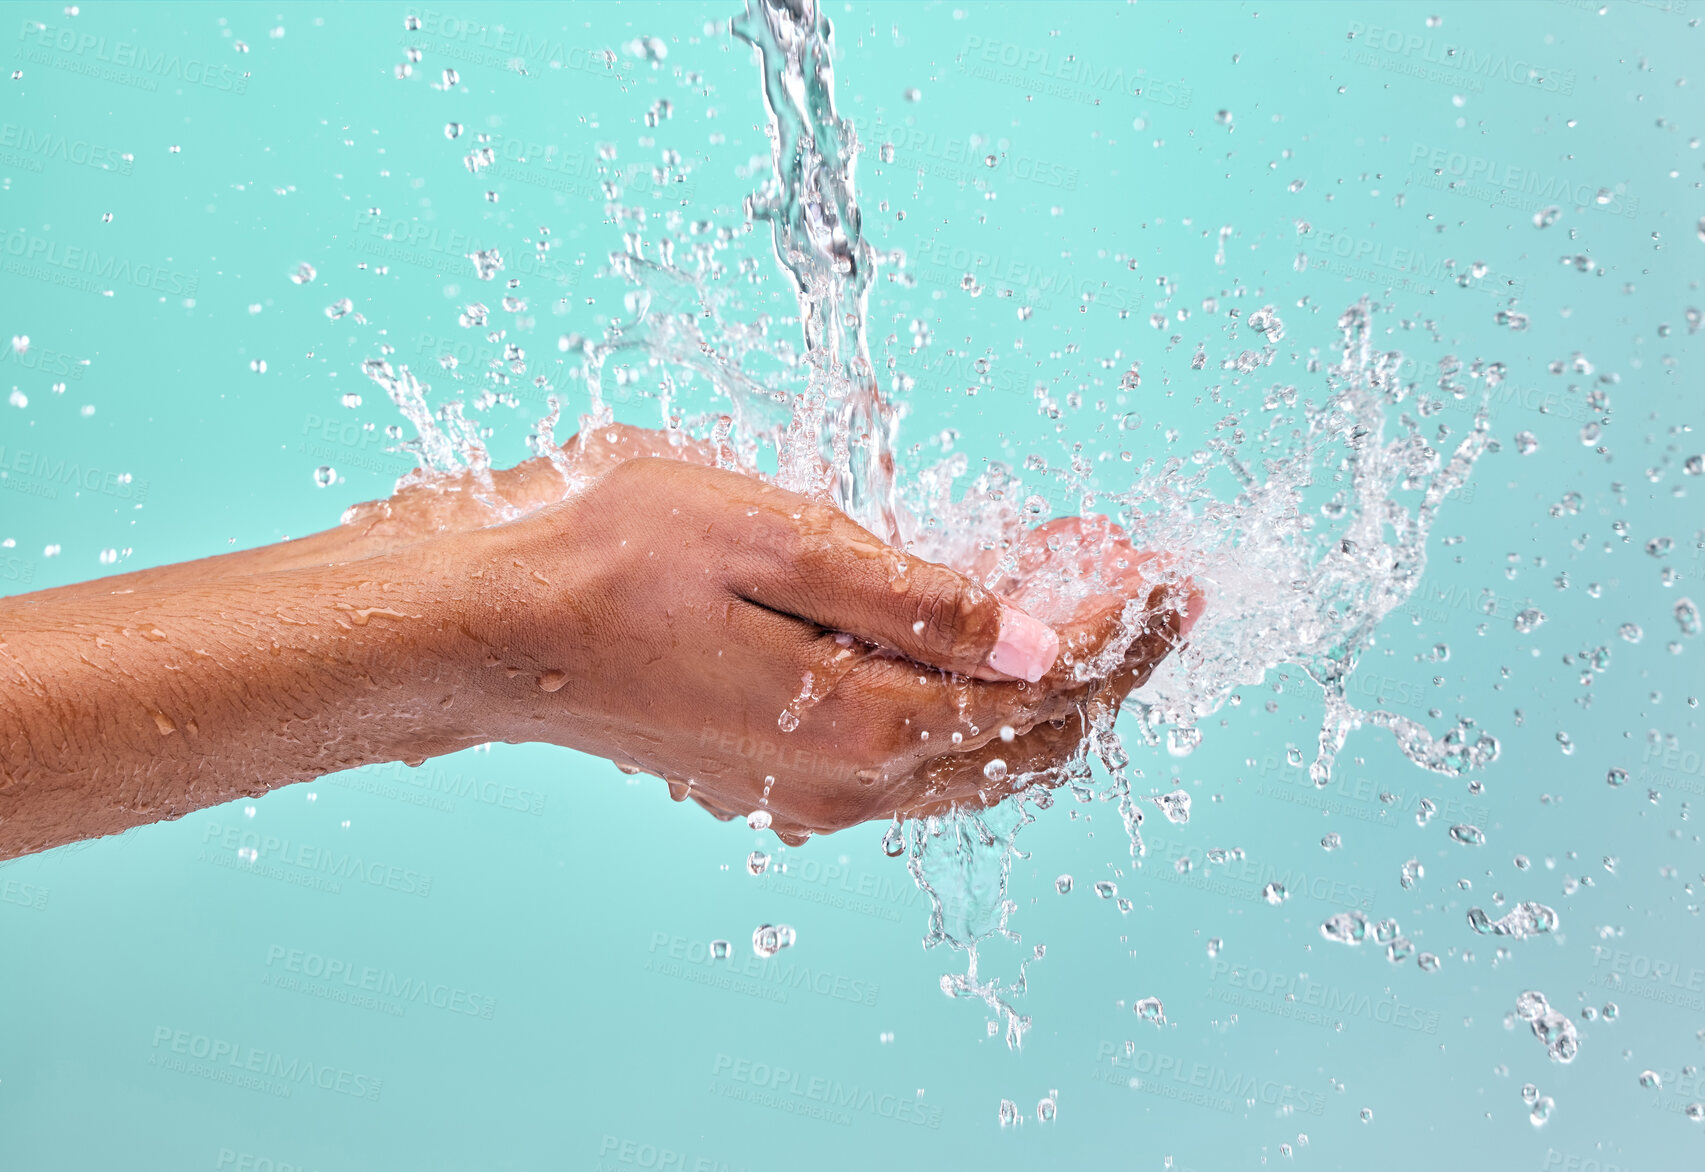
{"x": 947, "y": 614}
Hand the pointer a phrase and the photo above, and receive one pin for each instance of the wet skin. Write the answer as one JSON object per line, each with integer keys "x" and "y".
{"x": 664, "y": 614}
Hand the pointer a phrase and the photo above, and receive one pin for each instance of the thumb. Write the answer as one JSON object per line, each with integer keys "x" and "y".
{"x": 818, "y": 564}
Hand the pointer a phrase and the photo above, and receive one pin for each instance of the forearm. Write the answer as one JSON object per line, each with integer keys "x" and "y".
{"x": 118, "y": 710}
{"x": 374, "y": 528}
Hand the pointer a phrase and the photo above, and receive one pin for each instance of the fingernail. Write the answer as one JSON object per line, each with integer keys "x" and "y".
{"x": 1027, "y": 647}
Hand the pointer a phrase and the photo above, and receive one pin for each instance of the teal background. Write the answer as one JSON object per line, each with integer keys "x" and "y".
{"x": 574, "y": 904}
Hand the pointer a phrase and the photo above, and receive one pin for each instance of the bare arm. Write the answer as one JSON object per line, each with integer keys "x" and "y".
{"x": 667, "y": 616}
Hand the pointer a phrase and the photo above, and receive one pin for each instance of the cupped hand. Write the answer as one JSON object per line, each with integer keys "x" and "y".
{"x": 766, "y": 655}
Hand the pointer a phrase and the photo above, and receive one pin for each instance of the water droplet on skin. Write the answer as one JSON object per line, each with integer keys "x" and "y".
{"x": 995, "y": 770}
{"x": 552, "y": 680}
{"x": 758, "y": 819}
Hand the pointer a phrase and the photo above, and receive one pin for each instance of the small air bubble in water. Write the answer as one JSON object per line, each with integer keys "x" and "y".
{"x": 325, "y": 475}
{"x": 1063, "y": 884}
{"x": 757, "y": 863}
{"x": 1106, "y": 889}
{"x": 720, "y": 949}
{"x": 1275, "y": 893}
{"x": 1008, "y": 1113}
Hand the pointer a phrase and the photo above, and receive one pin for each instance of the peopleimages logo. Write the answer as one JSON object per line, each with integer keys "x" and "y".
{"x": 90, "y": 270}
{"x": 1672, "y": 767}
{"x": 252, "y": 1068}
{"x": 1236, "y": 876}
{"x": 616, "y": 1151}
{"x": 1309, "y": 1001}
{"x": 447, "y": 252}
{"x": 1064, "y": 75}
{"x": 306, "y": 864}
{"x": 1468, "y": 69}
{"x": 367, "y": 986}
{"x": 941, "y": 262}
{"x": 43, "y": 476}
{"x": 813, "y": 1096}
{"x": 474, "y": 42}
{"x": 1501, "y": 183}
{"x": 1202, "y": 1083}
{"x": 90, "y": 55}
{"x": 743, "y": 972}
{"x": 1655, "y": 979}
{"x": 32, "y": 147}
{"x": 964, "y": 158}
{"x": 1356, "y": 258}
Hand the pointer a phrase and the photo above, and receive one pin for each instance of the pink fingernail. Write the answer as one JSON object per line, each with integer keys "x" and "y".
{"x": 1027, "y": 647}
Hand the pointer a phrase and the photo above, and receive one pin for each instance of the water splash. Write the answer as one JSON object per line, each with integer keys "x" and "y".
{"x": 1305, "y": 514}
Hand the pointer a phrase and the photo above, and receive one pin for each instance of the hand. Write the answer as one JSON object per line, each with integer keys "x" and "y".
{"x": 760, "y": 651}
